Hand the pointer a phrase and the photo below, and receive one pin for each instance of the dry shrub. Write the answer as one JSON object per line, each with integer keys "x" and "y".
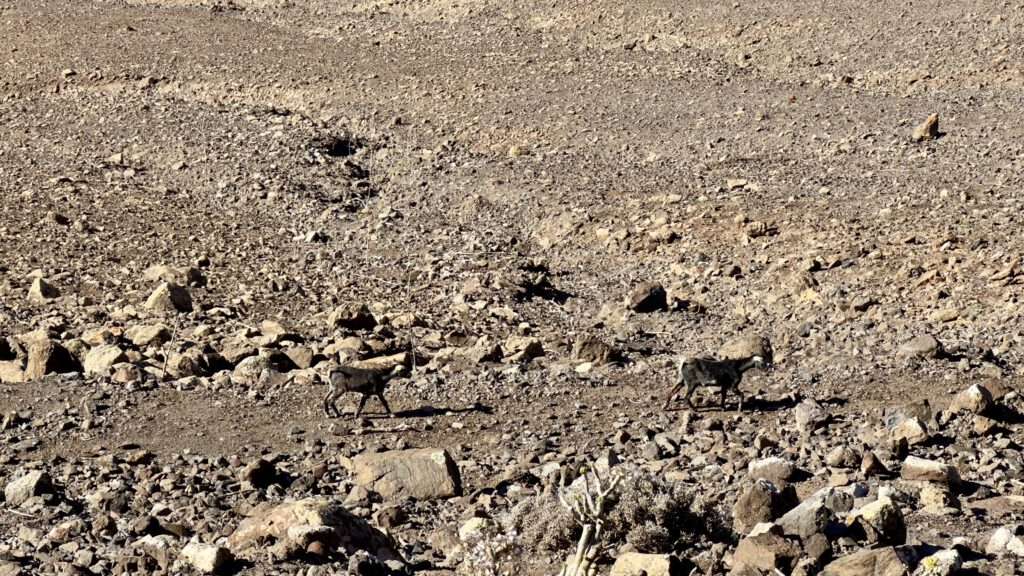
{"x": 648, "y": 512}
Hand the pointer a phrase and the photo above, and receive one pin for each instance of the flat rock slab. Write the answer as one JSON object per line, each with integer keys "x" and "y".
{"x": 636, "y": 564}
{"x": 880, "y": 562}
{"x": 421, "y": 474}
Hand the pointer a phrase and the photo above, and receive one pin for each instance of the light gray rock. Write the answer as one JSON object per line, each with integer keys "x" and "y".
{"x": 912, "y": 430}
{"x": 207, "y": 558}
{"x": 764, "y": 553}
{"x": 746, "y": 346}
{"x": 942, "y": 563}
{"x": 1006, "y": 540}
{"x": 777, "y": 470}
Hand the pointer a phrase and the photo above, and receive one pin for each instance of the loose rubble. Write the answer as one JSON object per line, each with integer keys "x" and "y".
{"x": 536, "y": 211}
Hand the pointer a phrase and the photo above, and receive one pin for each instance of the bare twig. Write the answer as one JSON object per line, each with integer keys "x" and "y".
{"x": 22, "y": 514}
{"x": 167, "y": 355}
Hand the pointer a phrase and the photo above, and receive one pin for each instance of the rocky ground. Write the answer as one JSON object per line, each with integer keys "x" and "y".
{"x": 535, "y": 208}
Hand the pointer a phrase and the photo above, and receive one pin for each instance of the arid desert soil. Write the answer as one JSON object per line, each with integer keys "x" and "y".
{"x": 537, "y": 208}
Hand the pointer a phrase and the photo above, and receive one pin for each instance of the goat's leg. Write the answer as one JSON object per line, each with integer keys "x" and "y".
{"x": 362, "y": 403}
{"x": 690, "y": 389}
{"x": 671, "y": 394}
{"x": 725, "y": 390}
{"x": 329, "y": 399}
{"x": 380, "y": 396}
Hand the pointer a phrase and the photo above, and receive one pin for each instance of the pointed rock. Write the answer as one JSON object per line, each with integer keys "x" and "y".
{"x": 47, "y": 356}
{"x": 927, "y": 130}
{"x": 27, "y": 485}
{"x": 976, "y": 399}
{"x": 42, "y": 292}
{"x": 169, "y": 297}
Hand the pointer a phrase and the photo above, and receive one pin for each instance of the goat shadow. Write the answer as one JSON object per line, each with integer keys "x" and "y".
{"x": 752, "y": 404}
{"x": 1004, "y": 414}
{"x": 428, "y": 411}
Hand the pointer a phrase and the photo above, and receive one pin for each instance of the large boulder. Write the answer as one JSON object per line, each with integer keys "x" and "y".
{"x": 383, "y": 363}
{"x": 288, "y": 529}
{"x": 190, "y": 362}
{"x": 12, "y": 371}
{"x": 12, "y": 361}
{"x": 420, "y": 474}
{"x": 921, "y": 346}
{"x": 522, "y": 348}
{"x": 250, "y": 369}
{"x": 159, "y": 547}
{"x": 184, "y": 276}
{"x": 912, "y": 429}
{"x": 809, "y": 416}
{"x": 594, "y": 350}
{"x": 941, "y": 563}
